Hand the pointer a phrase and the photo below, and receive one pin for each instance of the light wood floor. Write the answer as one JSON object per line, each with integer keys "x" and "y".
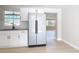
{"x": 56, "y": 47}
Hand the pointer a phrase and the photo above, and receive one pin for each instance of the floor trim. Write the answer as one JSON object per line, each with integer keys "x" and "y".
{"x": 74, "y": 46}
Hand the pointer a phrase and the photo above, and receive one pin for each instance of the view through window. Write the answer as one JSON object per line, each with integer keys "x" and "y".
{"x": 11, "y": 18}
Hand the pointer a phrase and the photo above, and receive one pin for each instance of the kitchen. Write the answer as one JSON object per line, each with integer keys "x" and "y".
{"x": 20, "y": 26}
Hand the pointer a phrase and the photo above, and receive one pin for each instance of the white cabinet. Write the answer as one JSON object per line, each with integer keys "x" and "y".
{"x": 4, "y": 39}
{"x": 40, "y": 10}
{"x": 24, "y": 14}
{"x": 33, "y": 10}
{"x": 13, "y": 38}
{"x": 23, "y": 36}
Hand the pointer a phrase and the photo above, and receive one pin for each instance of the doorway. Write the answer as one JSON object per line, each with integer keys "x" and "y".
{"x": 51, "y": 28}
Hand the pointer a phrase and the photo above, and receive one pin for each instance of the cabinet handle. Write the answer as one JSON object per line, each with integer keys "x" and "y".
{"x": 8, "y": 37}
{"x": 18, "y": 36}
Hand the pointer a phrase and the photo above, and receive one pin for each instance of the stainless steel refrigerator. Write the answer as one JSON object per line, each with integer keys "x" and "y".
{"x": 37, "y": 29}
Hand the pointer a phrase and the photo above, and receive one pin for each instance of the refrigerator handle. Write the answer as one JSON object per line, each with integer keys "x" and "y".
{"x": 36, "y": 26}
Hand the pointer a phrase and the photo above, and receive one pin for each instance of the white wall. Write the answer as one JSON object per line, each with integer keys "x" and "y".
{"x": 71, "y": 25}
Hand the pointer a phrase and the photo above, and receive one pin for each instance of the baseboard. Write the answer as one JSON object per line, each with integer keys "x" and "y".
{"x": 74, "y": 46}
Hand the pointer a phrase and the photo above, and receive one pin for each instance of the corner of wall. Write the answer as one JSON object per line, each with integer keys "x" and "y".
{"x": 72, "y": 45}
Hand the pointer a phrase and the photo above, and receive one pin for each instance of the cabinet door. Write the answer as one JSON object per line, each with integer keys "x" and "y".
{"x": 4, "y": 39}
{"x": 32, "y": 10}
{"x": 14, "y": 37}
{"x": 13, "y": 41}
{"x": 24, "y": 14}
{"x": 23, "y": 38}
{"x": 40, "y": 10}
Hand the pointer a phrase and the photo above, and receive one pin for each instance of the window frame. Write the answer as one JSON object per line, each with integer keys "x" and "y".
{"x": 15, "y": 15}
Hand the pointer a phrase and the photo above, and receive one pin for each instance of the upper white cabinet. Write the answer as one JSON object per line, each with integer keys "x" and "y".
{"x": 24, "y": 14}
{"x": 40, "y": 10}
{"x": 34, "y": 10}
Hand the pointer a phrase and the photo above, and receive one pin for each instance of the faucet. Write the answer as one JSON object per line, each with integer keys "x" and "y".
{"x": 13, "y": 27}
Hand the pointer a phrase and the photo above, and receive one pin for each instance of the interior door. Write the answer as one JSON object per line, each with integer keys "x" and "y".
{"x": 41, "y": 33}
{"x": 32, "y": 34}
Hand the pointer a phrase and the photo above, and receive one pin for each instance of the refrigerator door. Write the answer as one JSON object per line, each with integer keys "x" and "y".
{"x": 32, "y": 34}
{"x": 41, "y": 34}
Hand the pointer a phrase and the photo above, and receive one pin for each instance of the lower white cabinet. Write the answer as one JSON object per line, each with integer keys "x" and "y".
{"x": 15, "y": 38}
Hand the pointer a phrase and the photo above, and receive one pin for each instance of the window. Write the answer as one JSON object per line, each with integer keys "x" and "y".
{"x": 11, "y": 18}
{"x": 51, "y": 22}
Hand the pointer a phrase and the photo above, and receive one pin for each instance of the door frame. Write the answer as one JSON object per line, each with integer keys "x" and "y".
{"x": 59, "y": 21}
